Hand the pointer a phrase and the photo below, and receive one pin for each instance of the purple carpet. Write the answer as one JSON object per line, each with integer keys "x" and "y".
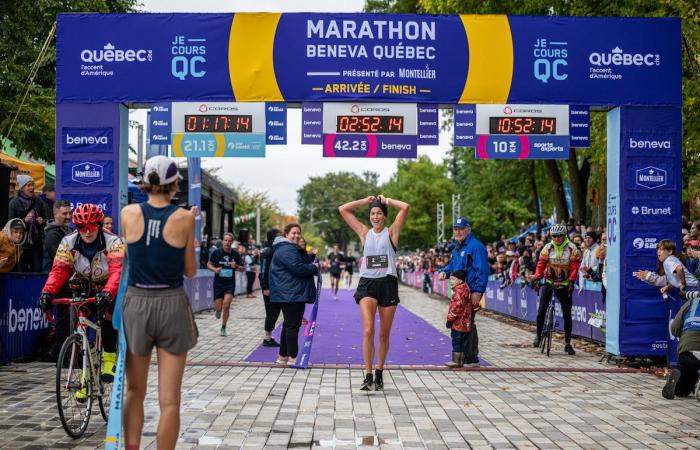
{"x": 338, "y": 338}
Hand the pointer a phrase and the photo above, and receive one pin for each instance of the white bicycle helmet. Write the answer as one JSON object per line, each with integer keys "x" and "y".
{"x": 557, "y": 230}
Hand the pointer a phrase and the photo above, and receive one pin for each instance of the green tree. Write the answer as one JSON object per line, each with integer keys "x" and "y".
{"x": 319, "y": 199}
{"x": 270, "y": 213}
{"x": 422, "y": 184}
{"x": 24, "y": 28}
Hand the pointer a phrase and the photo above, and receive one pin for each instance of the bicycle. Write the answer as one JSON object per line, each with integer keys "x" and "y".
{"x": 78, "y": 370}
{"x": 549, "y": 324}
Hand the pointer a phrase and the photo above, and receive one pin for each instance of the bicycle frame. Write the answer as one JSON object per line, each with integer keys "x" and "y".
{"x": 81, "y": 324}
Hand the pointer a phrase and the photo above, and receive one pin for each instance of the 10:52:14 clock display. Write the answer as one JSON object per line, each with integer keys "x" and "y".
{"x": 522, "y": 125}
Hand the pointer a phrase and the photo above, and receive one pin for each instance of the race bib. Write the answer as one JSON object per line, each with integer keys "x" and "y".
{"x": 378, "y": 262}
{"x": 226, "y": 273}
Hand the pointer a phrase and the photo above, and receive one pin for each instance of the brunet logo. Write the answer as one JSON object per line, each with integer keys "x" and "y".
{"x": 617, "y": 57}
{"x": 111, "y": 54}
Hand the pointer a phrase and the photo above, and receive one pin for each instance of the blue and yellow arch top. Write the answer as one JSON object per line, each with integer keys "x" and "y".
{"x": 300, "y": 57}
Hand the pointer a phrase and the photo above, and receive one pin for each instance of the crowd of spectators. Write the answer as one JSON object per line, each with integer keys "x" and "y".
{"x": 513, "y": 260}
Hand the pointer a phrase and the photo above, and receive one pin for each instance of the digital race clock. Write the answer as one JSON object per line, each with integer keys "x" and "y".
{"x": 522, "y": 125}
{"x": 369, "y": 124}
{"x": 201, "y": 123}
{"x": 522, "y": 131}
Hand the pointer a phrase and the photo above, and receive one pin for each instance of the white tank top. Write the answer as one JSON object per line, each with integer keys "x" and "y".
{"x": 378, "y": 255}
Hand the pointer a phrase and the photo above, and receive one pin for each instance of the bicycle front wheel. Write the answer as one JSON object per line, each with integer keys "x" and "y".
{"x": 73, "y": 387}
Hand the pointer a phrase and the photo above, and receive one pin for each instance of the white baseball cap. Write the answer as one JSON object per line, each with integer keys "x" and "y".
{"x": 164, "y": 167}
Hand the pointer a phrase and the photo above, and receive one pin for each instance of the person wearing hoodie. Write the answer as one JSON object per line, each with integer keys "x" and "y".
{"x": 272, "y": 310}
{"x": 291, "y": 285}
{"x": 11, "y": 240}
{"x": 27, "y": 206}
{"x": 56, "y": 230}
{"x": 54, "y": 233}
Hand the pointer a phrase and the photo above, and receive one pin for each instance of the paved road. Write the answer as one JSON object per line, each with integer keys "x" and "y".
{"x": 227, "y": 404}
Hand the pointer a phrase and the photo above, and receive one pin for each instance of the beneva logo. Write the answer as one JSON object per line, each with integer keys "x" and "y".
{"x": 650, "y": 144}
{"x": 87, "y": 173}
{"x": 87, "y": 139}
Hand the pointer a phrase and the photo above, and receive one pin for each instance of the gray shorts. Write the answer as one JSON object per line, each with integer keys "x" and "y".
{"x": 160, "y": 317}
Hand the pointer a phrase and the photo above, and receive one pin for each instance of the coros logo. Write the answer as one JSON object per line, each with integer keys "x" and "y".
{"x": 640, "y": 243}
{"x": 617, "y": 57}
{"x": 206, "y": 108}
{"x": 651, "y": 177}
{"x": 87, "y": 173}
{"x": 111, "y": 54}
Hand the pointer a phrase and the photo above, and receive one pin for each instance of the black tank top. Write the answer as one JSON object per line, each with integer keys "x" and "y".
{"x": 153, "y": 263}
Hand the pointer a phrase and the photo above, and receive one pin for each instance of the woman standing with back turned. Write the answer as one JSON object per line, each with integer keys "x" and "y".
{"x": 160, "y": 246}
{"x": 379, "y": 285}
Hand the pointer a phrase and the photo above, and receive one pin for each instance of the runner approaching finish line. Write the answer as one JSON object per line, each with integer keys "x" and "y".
{"x": 349, "y": 268}
{"x": 335, "y": 258}
{"x": 224, "y": 262}
{"x": 160, "y": 246}
{"x": 379, "y": 285}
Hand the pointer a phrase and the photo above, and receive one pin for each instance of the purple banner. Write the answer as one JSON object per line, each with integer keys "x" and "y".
{"x": 428, "y": 125}
{"x": 312, "y": 123}
{"x": 200, "y": 291}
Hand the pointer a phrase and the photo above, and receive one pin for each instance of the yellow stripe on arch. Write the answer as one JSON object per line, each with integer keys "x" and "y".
{"x": 177, "y": 145}
{"x": 250, "y": 57}
{"x": 490, "y": 59}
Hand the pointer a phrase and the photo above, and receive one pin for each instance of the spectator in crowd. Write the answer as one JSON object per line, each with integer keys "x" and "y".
{"x": 292, "y": 286}
{"x": 578, "y": 241}
{"x": 249, "y": 264}
{"x": 590, "y": 264}
{"x": 55, "y": 230}
{"x": 272, "y": 310}
{"x": 686, "y": 326}
{"x": 469, "y": 254}
{"x": 670, "y": 271}
{"x": 28, "y": 207}
{"x": 11, "y": 241}
{"x": 459, "y": 318}
{"x": 48, "y": 198}
{"x": 108, "y": 224}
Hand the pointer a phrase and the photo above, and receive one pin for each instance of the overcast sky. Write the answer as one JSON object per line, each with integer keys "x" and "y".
{"x": 286, "y": 168}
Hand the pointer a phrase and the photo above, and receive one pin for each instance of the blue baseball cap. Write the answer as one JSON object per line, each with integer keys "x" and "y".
{"x": 462, "y": 222}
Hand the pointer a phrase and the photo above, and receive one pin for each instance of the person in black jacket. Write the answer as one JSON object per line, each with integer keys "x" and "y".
{"x": 272, "y": 310}
{"x": 291, "y": 285}
{"x": 53, "y": 234}
{"x": 27, "y": 206}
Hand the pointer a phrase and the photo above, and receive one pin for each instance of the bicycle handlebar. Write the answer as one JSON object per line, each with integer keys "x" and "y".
{"x": 69, "y": 301}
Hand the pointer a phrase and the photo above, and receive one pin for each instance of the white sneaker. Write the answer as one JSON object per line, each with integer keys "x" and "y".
{"x": 281, "y": 361}
{"x": 292, "y": 362}
{"x": 222, "y": 332}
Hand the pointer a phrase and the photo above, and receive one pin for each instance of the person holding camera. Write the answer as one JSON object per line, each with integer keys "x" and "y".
{"x": 591, "y": 266}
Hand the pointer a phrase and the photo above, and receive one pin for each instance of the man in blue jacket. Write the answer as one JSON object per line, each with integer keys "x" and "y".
{"x": 469, "y": 255}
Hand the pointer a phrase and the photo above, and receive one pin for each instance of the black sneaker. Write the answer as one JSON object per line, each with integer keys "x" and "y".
{"x": 669, "y": 390}
{"x": 270, "y": 342}
{"x": 367, "y": 384}
{"x": 536, "y": 342}
{"x": 378, "y": 379}
{"x": 569, "y": 349}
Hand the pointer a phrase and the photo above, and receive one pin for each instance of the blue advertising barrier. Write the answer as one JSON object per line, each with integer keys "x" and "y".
{"x": 22, "y": 323}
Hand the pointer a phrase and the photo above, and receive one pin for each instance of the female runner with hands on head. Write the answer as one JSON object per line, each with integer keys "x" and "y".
{"x": 378, "y": 287}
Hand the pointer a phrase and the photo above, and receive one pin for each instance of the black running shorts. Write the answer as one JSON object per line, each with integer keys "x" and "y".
{"x": 220, "y": 291}
{"x": 335, "y": 273}
{"x": 385, "y": 290}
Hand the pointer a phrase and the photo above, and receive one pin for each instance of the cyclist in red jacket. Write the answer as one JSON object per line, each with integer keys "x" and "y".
{"x": 90, "y": 260}
{"x": 558, "y": 264}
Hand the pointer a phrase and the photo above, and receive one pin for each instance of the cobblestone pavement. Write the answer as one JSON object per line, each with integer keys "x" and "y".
{"x": 228, "y": 404}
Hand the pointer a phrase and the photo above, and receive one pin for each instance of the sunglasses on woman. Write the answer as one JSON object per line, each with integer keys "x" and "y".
{"x": 88, "y": 227}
